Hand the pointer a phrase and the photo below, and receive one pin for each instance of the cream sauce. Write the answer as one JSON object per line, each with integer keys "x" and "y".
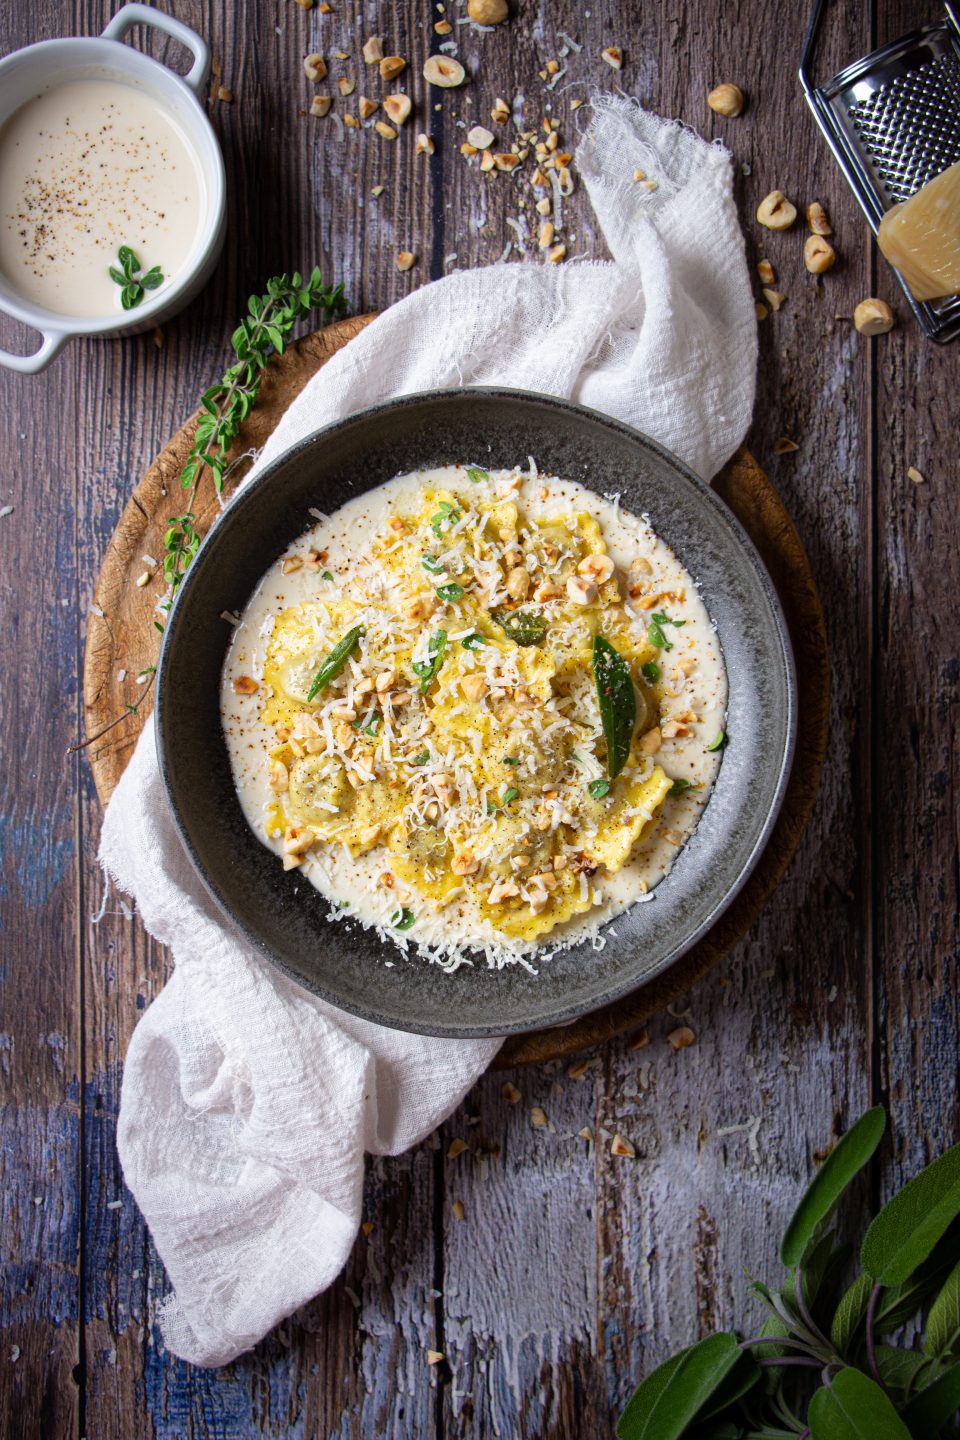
{"x": 351, "y": 883}
{"x": 86, "y": 167}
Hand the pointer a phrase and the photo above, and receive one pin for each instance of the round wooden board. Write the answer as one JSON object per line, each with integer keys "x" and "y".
{"x": 122, "y": 640}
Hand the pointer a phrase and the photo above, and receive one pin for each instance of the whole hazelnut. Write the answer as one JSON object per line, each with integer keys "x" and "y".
{"x": 776, "y": 212}
{"x": 818, "y": 254}
{"x": 726, "y": 100}
{"x": 873, "y": 317}
{"x": 488, "y": 12}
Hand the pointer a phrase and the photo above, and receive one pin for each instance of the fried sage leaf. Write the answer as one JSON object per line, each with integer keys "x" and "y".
{"x": 427, "y": 669}
{"x": 521, "y": 626}
{"x": 618, "y": 703}
{"x": 335, "y": 661}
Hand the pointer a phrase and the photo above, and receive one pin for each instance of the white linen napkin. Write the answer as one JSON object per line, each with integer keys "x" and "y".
{"x": 247, "y": 1104}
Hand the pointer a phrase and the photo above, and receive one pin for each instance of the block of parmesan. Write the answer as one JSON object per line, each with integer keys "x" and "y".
{"x": 921, "y": 237}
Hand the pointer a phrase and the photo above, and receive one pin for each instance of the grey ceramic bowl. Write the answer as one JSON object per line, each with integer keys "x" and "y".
{"x": 282, "y": 915}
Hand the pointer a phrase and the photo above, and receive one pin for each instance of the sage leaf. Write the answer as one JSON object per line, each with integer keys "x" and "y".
{"x": 943, "y": 1321}
{"x": 402, "y": 919}
{"x": 897, "y": 1367}
{"x": 427, "y": 669}
{"x": 850, "y": 1314}
{"x": 521, "y": 626}
{"x": 845, "y": 1161}
{"x": 663, "y": 1410}
{"x": 330, "y": 668}
{"x": 741, "y": 1379}
{"x": 925, "y": 1412}
{"x": 854, "y": 1407}
{"x": 900, "y": 1303}
{"x": 618, "y": 703}
{"x": 908, "y": 1227}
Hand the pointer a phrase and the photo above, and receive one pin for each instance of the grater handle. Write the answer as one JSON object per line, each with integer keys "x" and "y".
{"x": 810, "y": 44}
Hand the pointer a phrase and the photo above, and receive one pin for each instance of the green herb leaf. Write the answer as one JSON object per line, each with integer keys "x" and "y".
{"x": 128, "y": 260}
{"x": 422, "y": 758}
{"x": 451, "y": 593}
{"x": 402, "y": 919}
{"x": 663, "y": 1406}
{"x": 475, "y": 474}
{"x": 521, "y": 626}
{"x": 446, "y": 511}
{"x": 850, "y": 1314}
{"x": 510, "y": 760}
{"x": 854, "y": 1407}
{"x": 474, "y": 641}
{"x": 650, "y": 672}
{"x": 657, "y": 638}
{"x": 374, "y": 725}
{"x": 491, "y": 808}
{"x": 909, "y": 1226}
{"x": 943, "y": 1321}
{"x": 680, "y": 787}
{"x": 153, "y": 279}
{"x": 326, "y": 575}
{"x": 599, "y": 788}
{"x": 618, "y": 703}
{"x": 117, "y": 276}
{"x": 719, "y": 742}
{"x": 663, "y": 619}
{"x": 845, "y": 1161}
{"x": 130, "y": 296}
{"x": 897, "y": 1368}
{"x": 427, "y": 669}
{"x": 431, "y": 563}
{"x": 509, "y": 795}
{"x": 335, "y": 661}
{"x": 930, "y": 1409}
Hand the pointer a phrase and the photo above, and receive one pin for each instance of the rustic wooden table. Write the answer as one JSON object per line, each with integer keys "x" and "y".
{"x": 571, "y": 1270}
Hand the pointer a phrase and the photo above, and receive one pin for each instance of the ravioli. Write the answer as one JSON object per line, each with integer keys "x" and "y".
{"x": 433, "y": 711}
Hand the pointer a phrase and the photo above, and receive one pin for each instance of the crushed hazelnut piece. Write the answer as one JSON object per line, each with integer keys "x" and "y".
{"x": 434, "y": 1357}
{"x": 346, "y": 85}
{"x": 818, "y": 220}
{"x": 245, "y": 685}
{"x": 818, "y": 254}
{"x": 385, "y": 131}
{"x": 315, "y": 67}
{"x": 766, "y": 272}
{"x": 784, "y": 446}
{"x": 398, "y": 107}
{"x": 873, "y": 317}
{"x": 557, "y": 254}
{"x": 546, "y": 235}
{"x": 681, "y": 1038}
{"x": 373, "y": 49}
{"x": 391, "y": 66}
{"x": 586, "y": 1133}
{"x": 761, "y": 309}
{"x": 544, "y": 206}
{"x": 619, "y": 1145}
{"x": 352, "y": 122}
{"x": 425, "y": 146}
{"x": 367, "y": 107}
{"x": 443, "y": 27}
{"x": 510, "y": 1093}
{"x": 320, "y": 105}
{"x": 480, "y": 136}
{"x": 406, "y": 261}
{"x": 639, "y": 1041}
{"x": 914, "y": 474}
{"x": 776, "y": 212}
{"x": 500, "y": 113}
{"x": 613, "y": 55}
{"x": 578, "y": 1069}
{"x": 538, "y": 1117}
{"x": 291, "y": 564}
{"x": 459, "y": 1213}
{"x": 506, "y": 162}
{"x": 455, "y": 1148}
{"x": 774, "y": 298}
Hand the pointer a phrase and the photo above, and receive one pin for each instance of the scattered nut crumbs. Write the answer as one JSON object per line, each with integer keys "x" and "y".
{"x": 377, "y": 191}
{"x": 224, "y": 94}
{"x": 143, "y": 579}
{"x": 914, "y": 474}
{"x": 613, "y": 56}
{"x": 639, "y": 1041}
{"x": 373, "y": 50}
{"x": 762, "y": 311}
{"x": 443, "y": 27}
{"x": 586, "y": 1133}
{"x": 346, "y": 85}
{"x": 425, "y": 146}
{"x": 455, "y": 1148}
{"x": 510, "y": 1093}
{"x": 391, "y": 66}
{"x": 766, "y": 272}
{"x": 385, "y": 131}
{"x": 406, "y": 260}
{"x": 774, "y": 298}
{"x": 434, "y": 1357}
{"x": 784, "y": 446}
{"x": 681, "y": 1037}
{"x": 320, "y": 105}
{"x": 315, "y": 67}
{"x": 459, "y": 1213}
{"x": 367, "y": 107}
{"x": 578, "y": 1069}
{"x": 619, "y": 1145}
{"x": 398, "y": 107}
{"x": 538, "y": 1117}
{"x": 367, "y": 1227}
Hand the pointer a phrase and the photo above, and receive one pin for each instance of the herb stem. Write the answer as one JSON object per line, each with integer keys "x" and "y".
{"x": 871, "y": 1349}
{"x": 112, "y": 724}
{"x": 775, "y": 1361}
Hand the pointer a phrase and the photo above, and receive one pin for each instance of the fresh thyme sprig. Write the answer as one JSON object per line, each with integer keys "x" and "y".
{"x": 135, "y": 285}
{"x": 265, "y": 328}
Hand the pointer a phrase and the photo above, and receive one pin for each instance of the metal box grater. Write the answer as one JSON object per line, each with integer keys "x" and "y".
{"x": 892, "y": 121}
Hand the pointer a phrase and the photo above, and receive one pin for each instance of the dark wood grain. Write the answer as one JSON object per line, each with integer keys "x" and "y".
{"x": 572, "y": 1270}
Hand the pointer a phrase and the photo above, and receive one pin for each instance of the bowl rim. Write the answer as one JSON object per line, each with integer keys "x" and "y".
{"x": 246, "y": 494}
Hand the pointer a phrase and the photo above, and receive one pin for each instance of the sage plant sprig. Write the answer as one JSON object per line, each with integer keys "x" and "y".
{"x": 824, "y": 1366}
{"x": 265, "y": 328}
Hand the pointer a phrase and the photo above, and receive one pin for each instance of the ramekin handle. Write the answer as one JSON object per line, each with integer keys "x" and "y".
{"x": 53, "y": 343}
{"x": 131, "y": 15}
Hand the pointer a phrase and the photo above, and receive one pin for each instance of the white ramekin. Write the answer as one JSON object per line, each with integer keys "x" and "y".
{"x": 38, "y": 68}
